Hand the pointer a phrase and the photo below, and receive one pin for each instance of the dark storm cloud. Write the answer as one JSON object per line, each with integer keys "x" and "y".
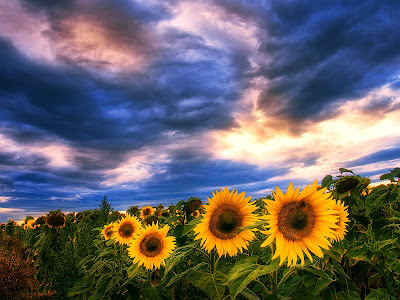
{"x": 103, "y": 119}
{"x": 20, "y": 159}
{"x": 318, "y": 54}
{"x": 71, "y": 104}
{"x": 6, "y": 184}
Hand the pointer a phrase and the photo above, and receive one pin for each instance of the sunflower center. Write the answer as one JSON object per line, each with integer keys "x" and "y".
{"x": 109, "y": 231}
{"x": 146, "y": 212}
{"x": 225, "y": 221}
{"x": 296, "y": 220}
{"x": 151, "y": 245}
{"x": 126, "y": 230}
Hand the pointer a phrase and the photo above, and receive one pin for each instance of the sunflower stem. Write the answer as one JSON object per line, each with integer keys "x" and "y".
{"x": 216, "y": 263}
{"x": 263, "y": 286}
{"x": 204, "y": 253}
{"x": 149, "y": 276}
{"x": 284, "y": 278}
{"x": 212, "y": 260}
{"x": 274, "y": 275}
{"x": 120, "y": 260}
{"x": 274, "y": 287}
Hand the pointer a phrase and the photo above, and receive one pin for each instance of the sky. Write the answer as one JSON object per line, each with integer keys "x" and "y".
{"x": 153, "y": 101}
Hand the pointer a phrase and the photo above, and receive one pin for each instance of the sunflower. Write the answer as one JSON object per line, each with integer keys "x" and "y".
{"x": 341, "y": 212}
{"x": 30, "y": 223}
{"x": 55, "y": 219}
{"x": 195, "y": 214}
{"x": 108, "y": 231}
{"x": 225, "y": 213}
{"x": 146, "y": 212}
{"x": 300, "y": 222}
{"x": 152, "y": 246}
{"x": 126, "y": 229}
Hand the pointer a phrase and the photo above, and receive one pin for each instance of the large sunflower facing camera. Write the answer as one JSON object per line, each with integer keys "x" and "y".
{"x": 126, "y": 229}
{"x": 152, "y": 246}
{"x": 225, "y": 213}
{"x": 300, "y": 222}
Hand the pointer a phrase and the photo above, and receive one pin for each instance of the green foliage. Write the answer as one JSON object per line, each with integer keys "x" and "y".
{"x": 76, "y": 262}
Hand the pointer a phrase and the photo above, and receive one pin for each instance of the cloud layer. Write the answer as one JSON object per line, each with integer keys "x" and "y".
{"x": 154, "y": 101}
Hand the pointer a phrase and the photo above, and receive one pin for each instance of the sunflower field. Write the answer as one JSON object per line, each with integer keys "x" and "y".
{"x": 336, "y": 239}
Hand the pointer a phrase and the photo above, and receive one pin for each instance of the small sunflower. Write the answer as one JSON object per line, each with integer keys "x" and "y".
{"x": 108, "y": 231}
{"x": 300, "y": 222}
{"x": 225, "y": 213}
{"x": 195, "y": 214}
{"x": 152, "y": 246}
{"x": 30, "y": 223}
{"x": 146, "y": 212}
{"x": 126, "y": 229}
{"x": 342, "y": 213}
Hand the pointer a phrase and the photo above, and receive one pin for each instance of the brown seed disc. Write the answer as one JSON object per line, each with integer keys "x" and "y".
{"x": 109, "y": 232}
{"x": 126, "y": 230}
{"x": 296, "y": 220}
{"x": 56, "y": 220}
{"x": 225, "y": 221}
{"x": 151, "y": 245}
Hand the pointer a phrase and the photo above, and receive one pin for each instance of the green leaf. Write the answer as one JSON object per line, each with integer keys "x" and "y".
{"x": 149, "y": 291}
{"x": 334, "y": 254}
{"x": 249, "y": 294}
{"x": 378, "y": 294}
{"x": 178, "y": 276}
{"x": 101, "y": 286}
{"x": 326, "y": 182}
{"x": 290, "y": 285}
{"x": 212, "y": 284}
{"x": 377, "y": 198}
{"x": 394, "y": 173}
{"x": 191, "y": 225}
{"x": 258, "y": 225}
{"x": 343, "y": 170}
{"x": 315, "y": 284}
{"x": 176, "y": 256}
{"x": 133, "y": 270}
{"x": 382, "y": 244}
{"x": 245, "y": 271}
{"x": 105, "y": 252}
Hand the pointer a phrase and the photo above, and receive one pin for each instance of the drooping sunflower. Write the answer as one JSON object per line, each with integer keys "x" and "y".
{"x": 126, "y": 229}
{"x": 146, "y": 212}
{"x": 300, "y": 222}
{"x": 152, "y": 246}
{"x": 108, "y": 231}
{"x": 225, "y": 213}
{"x": 55, "y": 219}
{"x": 342, "y": 213}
